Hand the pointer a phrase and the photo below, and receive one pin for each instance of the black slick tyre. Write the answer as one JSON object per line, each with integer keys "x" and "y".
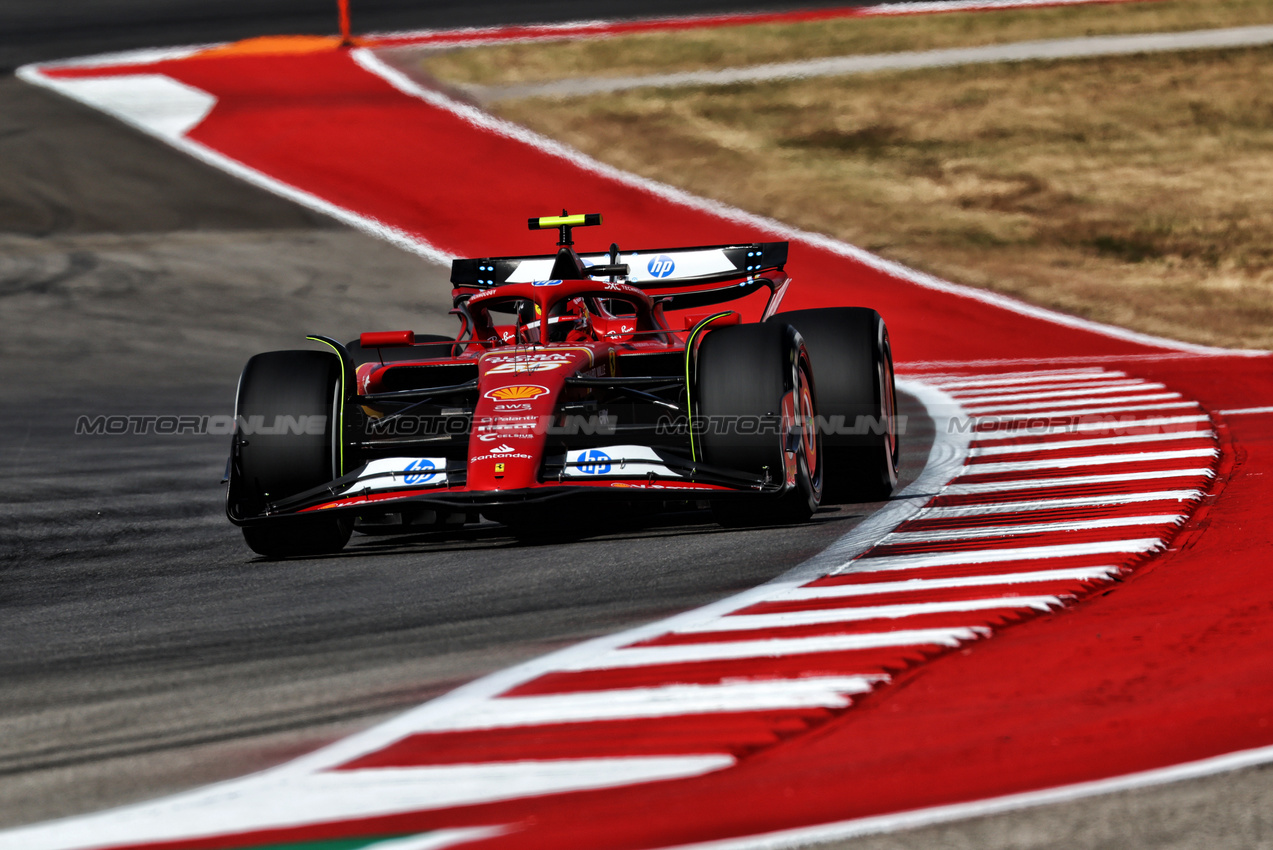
{"x": 857, "y": 401}
{"x": 755, "y": 394}
{"x": 285, "y": 392}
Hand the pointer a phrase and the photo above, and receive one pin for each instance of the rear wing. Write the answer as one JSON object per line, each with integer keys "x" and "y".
{"x": 654, "y": 269}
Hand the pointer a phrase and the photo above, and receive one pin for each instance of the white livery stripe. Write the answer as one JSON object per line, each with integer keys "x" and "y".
{"x": 1065, "y": 445}
{"x": 1060, "y": 404}
{"x": 954, "y": 511}
{"x": 1085, "y": 392}
{"x": 682, "y": 653}
{"x": 935, "y": 534}
{"x": 1123, "y": 424}
{"x": 746, "y": 622}
{"x": 1019, "y": 553}
{"x": 769, "y": 695}
{"x": 976, "y": 487}
{"x": 1087, "y": 460}
{"x": 841, "y": 591}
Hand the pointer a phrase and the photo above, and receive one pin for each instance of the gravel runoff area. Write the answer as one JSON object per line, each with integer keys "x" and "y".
{"x": 1062, "y": 48}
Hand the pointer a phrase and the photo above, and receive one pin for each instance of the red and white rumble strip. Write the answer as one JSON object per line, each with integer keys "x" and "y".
{"x": 1041, "y": 487}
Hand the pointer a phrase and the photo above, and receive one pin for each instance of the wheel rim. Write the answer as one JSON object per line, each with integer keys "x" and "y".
{"x": 798, "y": 417}
{"x": 888, "y": 404}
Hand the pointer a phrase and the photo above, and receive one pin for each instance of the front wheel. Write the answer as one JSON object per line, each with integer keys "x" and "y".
{"x": 288, "y": 412}
{"x": 757, "y": 401}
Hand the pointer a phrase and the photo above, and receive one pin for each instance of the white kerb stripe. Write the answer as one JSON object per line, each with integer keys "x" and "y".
{"x": 976, "y": 487}
{"x": 995, "y": 407}
{"x": 1086, "y": 392}
{"x": 1054, "y": 413}
{"x": 949, "y": 511}
{"x": 918, "y": 585}
{"x": 1126, "y": 423}
{"x": 1087, "y": 460}
{"x": 995, "y": 392}
{"x": 991, "y": 556}
{"x": 973, "y": 533}
{"x": 725, "y": 650}
{"x": 670, "y": 701}
{"x": 158, "y": 104}
{"x": 956, "y": 383}
{"x": 1062, "y": 445}
{"x": 820, "y": 616}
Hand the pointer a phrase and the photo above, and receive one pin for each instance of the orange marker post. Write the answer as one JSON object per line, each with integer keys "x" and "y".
{"x": 346, "y": 40}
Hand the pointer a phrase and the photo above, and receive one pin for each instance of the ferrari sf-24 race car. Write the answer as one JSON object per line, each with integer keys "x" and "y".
{"x": 575, "y": 383}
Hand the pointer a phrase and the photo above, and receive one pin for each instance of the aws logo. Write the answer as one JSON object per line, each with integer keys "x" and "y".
{"x": 517, "y": 392}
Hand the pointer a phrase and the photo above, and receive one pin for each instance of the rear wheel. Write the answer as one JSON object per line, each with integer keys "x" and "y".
{"x": 295, "y": 394}
{"x": 756, "y": 395}
{"x": 857, "y": 402}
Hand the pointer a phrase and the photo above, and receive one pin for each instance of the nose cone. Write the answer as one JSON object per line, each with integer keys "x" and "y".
{"x": 518, "y": 392}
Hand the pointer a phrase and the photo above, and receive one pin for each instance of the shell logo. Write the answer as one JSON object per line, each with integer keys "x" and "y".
{"x": 517, "y": 392}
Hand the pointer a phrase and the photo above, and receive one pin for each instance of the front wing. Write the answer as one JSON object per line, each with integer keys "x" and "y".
{"x": 624, "y": 473}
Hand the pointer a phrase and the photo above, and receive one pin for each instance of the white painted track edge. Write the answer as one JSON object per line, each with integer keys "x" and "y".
{"x": 916, "y": 818}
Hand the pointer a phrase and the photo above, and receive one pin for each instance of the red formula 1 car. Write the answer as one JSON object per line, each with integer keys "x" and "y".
{"x": 575, "y": 382}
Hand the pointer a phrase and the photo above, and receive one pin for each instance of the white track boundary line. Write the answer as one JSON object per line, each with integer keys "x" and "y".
{"x": 917, "y": 818}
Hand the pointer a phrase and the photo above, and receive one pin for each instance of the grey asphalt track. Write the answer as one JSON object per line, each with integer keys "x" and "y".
{"x": 144, "y": 649}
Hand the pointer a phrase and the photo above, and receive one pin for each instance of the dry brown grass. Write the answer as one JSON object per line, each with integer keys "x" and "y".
{"x": 1131, "y": 190}
{"x": 762, "y": 43}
